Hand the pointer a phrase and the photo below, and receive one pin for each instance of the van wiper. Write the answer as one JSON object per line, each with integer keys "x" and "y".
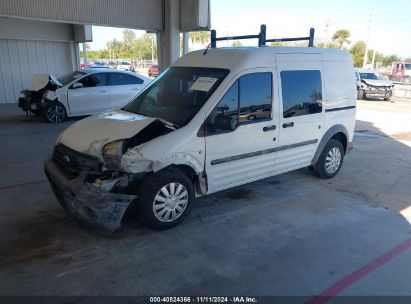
{"x": 169, "y": 124}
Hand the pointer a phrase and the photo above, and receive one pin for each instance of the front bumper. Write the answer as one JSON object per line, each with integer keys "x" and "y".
{"x": 85, "y": 201}
{"x": 378, "y": 93}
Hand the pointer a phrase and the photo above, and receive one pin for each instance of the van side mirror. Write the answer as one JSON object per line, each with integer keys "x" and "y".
{"x": 77, "y": 85}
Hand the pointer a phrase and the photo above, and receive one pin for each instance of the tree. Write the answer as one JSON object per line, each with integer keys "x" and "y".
{"x": 388, "y": 60}
{"x": 236, "y": 43}
{"x": 199, "y": 37}
{"x": 341, "y": 37}
{"x": 358, "y": 51}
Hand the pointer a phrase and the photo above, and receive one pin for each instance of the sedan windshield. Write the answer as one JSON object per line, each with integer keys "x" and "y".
{"x": 178, "y": 94}
{"x": 369, "y": 76}
{"x": 65, "y": 80}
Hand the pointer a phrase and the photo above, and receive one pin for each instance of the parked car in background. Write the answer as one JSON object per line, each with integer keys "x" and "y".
{"x": 153, "y": 70}
{"x": 124, "y": 65}
{"x": 83, "y": 92}
{"x": 94, "y": 67}
{"x": 112, "y": 64}
{"x": 372, "y": 85}
{"x": 401, "y": 71}
{"x": 83, "y": 65}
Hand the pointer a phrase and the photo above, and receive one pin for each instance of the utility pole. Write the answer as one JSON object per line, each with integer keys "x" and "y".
{"x": 373, "y": 59}
{"x": 186, "y": 39}
{"x": 84, "y": 54}
{"x": 327, "y": 26}
{"x": 368, "y": 39}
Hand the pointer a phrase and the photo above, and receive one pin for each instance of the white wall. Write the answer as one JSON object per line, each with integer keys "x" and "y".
{"x": 138, "y": 14}
{"x": 20, "y": 59}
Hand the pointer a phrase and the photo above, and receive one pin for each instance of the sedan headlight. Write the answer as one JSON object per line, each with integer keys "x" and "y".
{"x": 113, "y": 151}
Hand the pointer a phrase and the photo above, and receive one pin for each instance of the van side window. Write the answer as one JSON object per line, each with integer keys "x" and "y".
{"x": 301, "y": 92}
{"x": 248, "y": 100}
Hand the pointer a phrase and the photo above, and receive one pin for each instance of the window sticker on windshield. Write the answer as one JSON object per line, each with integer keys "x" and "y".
{"x": 77, "y": 76}
{"x": 203, "y": 84}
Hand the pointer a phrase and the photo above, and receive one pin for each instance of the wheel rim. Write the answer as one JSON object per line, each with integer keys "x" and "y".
{"x": 170, "y": 202}
{"x": 333, "y": 160}
{"x": 55, "y": 114}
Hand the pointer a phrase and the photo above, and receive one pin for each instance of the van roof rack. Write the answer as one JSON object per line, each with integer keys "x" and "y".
{"x": 261, "y": 36}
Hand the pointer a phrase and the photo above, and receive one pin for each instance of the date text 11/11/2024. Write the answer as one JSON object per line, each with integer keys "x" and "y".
{"x": 204, "y": 299}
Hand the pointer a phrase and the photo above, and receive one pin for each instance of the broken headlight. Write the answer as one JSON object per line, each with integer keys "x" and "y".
{"x": 113, "y": 151}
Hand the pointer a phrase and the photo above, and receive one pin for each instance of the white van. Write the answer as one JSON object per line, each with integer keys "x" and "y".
{"x": 214, "y": 120}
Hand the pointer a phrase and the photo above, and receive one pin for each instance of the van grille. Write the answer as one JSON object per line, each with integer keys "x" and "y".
{"x": 72, "y": 162}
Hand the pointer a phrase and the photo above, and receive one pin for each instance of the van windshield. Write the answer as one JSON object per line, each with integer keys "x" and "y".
{"x": 178, "y": 94}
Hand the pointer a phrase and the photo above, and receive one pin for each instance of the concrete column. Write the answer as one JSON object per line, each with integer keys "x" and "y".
{"x": 168, "y": 39}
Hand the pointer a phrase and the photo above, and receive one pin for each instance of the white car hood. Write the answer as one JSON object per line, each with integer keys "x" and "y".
{"x": 91, "y": 134}
{"x": 378, "y": 83}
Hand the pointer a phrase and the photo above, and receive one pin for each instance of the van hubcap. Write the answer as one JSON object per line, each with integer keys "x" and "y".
{"x": 170, "y": 202}
{"x": 55, "y": 114}
{"x": 333, "y": 160}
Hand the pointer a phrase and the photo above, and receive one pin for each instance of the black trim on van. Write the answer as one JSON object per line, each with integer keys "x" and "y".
{"x": 262, "y": 152}
{"x": 340, "y": 109}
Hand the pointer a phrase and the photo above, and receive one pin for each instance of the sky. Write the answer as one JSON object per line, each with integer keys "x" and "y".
{"x": 390, "y": 27}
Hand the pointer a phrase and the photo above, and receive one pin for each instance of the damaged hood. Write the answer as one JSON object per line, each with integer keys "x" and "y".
{"x": 91, "y": 134}
{"x": 40, "y": 81}
{"x": 377, "y": 83}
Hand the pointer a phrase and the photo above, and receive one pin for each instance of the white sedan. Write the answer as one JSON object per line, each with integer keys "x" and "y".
{"x": 88, "y": 92}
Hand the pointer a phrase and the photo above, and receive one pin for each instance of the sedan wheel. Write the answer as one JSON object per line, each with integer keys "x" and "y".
{"x": 54, "y": 113}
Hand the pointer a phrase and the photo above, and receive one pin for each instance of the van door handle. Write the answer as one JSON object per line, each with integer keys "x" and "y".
{"x": 288, "y": 125}
{"x": 103, "y": 91}
{"x": 269, "y": 128}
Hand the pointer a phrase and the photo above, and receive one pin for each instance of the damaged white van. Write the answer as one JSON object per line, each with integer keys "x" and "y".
{"x": 214, "y": 120}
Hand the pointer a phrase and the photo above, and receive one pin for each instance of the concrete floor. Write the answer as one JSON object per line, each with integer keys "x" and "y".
{"x": 292, "y": 234}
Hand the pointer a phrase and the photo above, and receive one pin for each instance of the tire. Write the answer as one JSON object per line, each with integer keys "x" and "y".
{"x": 251, "y": 117}
{"x": 54, "y": 112}
{"x": 388, "y": 98}
{"x": 153, "y": 187}
{"x": 360, "y": 94}
{"x": 330, "y": 161}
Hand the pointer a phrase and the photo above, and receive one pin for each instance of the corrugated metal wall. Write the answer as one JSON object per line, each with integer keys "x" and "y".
{"x": 139, "y": 14}
{"x": 20, "y": 59}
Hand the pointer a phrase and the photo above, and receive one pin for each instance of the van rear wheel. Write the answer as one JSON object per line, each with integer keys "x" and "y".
{"x": 165, "y": 199}
{"x": 330, "y": 161}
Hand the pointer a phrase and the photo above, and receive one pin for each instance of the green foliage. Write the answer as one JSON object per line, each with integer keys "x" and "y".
{"x": 236, "y": 43}
{"x": 199, "y": 37}
{"x": 341, "y": 37}
{"x": 358, "y": 51}
{"x": 388, "y": 60}
{"x": 328, "y": 45}
{"x": 130, "y": 47}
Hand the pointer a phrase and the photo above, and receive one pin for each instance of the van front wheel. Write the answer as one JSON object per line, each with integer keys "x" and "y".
{"x": 330, "y": 160}
{"x": 165, "y": 199}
